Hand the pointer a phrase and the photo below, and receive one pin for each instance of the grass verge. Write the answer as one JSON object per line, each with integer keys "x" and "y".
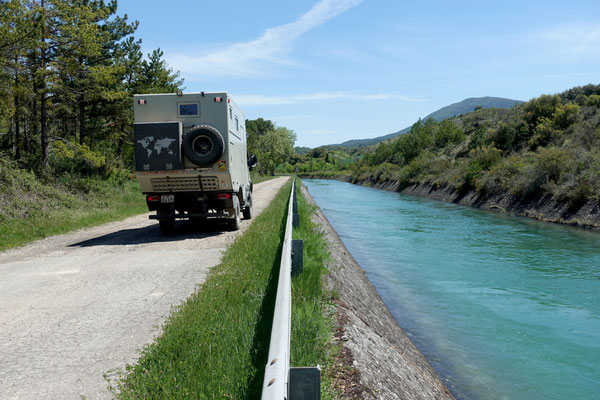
{"x": 215, "y": 345}
{"x": 32, "y": 210}
{"x": 313, "y": 311}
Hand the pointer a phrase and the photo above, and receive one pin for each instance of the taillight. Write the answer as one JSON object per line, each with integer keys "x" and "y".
{"x": 223, "y": 196}
{"x": 153, "y": 198}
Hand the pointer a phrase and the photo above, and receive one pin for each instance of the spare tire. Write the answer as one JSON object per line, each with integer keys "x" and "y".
{"x": 203, "y": 145}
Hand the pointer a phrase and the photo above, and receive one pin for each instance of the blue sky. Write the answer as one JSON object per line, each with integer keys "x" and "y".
{"x": 334, "y": 70}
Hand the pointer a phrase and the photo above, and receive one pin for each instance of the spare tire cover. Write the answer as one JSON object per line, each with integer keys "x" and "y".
{"x": 203, "y": 145}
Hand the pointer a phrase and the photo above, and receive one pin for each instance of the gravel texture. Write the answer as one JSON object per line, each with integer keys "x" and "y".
{"x": 75, "y": 309}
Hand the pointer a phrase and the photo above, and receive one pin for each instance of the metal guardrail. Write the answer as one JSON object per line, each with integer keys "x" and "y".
{"x": 277, "y": 371}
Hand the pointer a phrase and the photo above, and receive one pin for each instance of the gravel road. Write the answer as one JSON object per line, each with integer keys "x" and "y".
{"x": 75, "y": 309}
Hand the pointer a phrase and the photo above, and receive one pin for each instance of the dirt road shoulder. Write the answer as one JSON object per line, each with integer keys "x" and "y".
{"x": 78, "y": 306}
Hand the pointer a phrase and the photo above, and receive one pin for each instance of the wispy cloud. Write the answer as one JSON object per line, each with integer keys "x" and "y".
{"x": 250, "y": 58}
{"x": 250, "y": 100}
{"x": 574, "y": 42}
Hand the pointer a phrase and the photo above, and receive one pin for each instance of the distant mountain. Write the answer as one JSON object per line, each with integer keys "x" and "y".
{"x": 302, "y": 150}
{"x": 452, "y": 110}
{"x": 469, "y": 105}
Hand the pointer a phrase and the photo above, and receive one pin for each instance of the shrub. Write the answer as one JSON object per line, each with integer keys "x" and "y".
{"x": 551, "y": 163}
{"x": 477, "y": 138}
{"x": 565, "y": 115}
{"x": 481, "y": 159}
{"x": 579, "y": 194}
{"x": 384, "y": 172}
{"x": 415, "y": 171}
{"x": 544, "y": 133}
{"x": 503, "y": 176}
{"x": 543, "y": 106}
{"x": 508, "y": 136}
{"x": 78, "y": 159}
{"x": 593, "y": 101}
{"x": 447, "y": 133}
{"x": 541, "y": 171}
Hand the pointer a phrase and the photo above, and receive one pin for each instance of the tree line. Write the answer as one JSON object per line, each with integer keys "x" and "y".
{"x": 273, "y": 145}
{"x": 68, "y": 70}
{"x": 548, "y": 146}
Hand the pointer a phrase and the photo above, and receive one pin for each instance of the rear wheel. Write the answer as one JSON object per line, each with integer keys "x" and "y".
{"x": 248, "y": 209}
{"x": 235, "y": 223}
{"x": 167, "y": 226}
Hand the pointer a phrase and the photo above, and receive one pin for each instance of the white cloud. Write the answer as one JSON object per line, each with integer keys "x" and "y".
{"x": 250, "y": 58}
{"x": 574, "y": 42}
{"x": 249, "y": 100}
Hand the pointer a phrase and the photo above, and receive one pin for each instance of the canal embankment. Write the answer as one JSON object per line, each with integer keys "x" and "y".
{"x": 543, "y": 208}
{"x": 385, "y": 362}
{"x": 501, "y": 307}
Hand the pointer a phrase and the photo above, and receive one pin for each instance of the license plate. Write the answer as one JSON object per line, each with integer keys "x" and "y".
{"x": 167, "y": 198}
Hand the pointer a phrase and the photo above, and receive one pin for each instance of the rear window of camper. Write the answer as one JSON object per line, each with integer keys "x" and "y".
{"x": 187, "y": 110}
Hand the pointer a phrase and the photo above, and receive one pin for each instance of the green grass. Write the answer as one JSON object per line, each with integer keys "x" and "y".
{"x": 215, "y": 345}
{"x": 32, "y": 210}
{"x": 312, "y": 308}
{"x": 255, "y": 177}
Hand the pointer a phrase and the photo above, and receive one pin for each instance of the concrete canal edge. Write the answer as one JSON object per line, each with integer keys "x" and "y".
{"x": 386, "y": 363}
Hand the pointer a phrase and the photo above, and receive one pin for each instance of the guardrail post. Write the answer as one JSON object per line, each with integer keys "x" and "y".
{"x": 305, "y": 383}
{"x": 297, "y": 256}
{"x": 295, "y": 215}
{"x": 295, "y": 200}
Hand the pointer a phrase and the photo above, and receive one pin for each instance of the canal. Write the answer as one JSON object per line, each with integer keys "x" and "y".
{"x": 502, "y": 307}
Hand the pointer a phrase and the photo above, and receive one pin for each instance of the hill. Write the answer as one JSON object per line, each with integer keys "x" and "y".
{"x": 539, "y": 159}
{"x": 547, "y": 148}
{"x": 451, "y": 110}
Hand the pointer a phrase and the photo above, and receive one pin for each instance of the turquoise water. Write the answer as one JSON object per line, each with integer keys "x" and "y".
{"x": 502, "y": 307}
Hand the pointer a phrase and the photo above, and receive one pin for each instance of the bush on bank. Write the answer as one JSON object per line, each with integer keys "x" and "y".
{"x": 547, "y": 146}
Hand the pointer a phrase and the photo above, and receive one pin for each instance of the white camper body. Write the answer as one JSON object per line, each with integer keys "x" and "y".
{"x": 191, "y": 156}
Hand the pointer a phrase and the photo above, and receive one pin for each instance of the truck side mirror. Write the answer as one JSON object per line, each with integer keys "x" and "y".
{"x": 252, "y": 160}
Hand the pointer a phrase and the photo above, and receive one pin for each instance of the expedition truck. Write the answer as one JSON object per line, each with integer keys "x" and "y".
{"x": 191, "y": 158}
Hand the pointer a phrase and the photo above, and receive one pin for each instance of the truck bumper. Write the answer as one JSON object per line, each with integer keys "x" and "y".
{"x": 192, "y": 215}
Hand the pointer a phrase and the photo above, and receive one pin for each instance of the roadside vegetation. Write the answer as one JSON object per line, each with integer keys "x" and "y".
{"x": 272, "y": 144}
{"x": 215, "y": 345}
{"x": 32, "y": 208}
{"x": 313, "y": 310}
{"x": 68, "y": 71}
{"x": 548, "y": 146}
{"x": 322, "y": 160}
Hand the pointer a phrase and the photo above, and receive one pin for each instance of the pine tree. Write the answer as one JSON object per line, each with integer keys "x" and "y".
{"x": 68, "y": 69}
